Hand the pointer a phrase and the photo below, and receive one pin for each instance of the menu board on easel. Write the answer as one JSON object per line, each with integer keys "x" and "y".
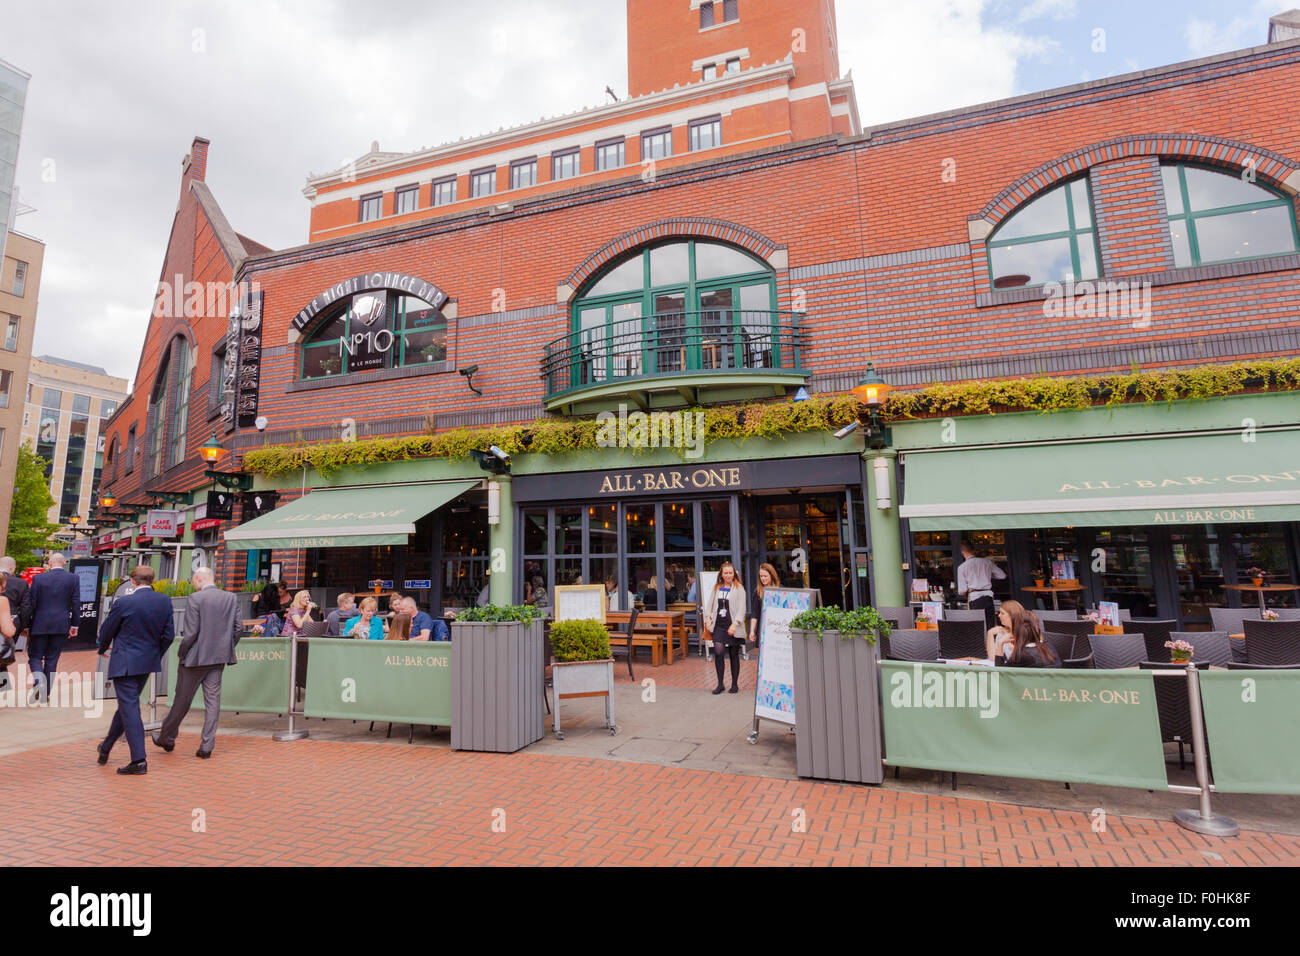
{"x": 774, "y": 692}
{"x": 574, "y": 602}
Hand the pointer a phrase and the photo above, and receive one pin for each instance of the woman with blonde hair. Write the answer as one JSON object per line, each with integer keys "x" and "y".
{"x": 724, "y": 618}
{"x": 367, "y": 625}
{"x": 298, "y": 613}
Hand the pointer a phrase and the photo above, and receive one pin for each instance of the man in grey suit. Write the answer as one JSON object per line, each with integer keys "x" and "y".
{"x": 207, "y": 645}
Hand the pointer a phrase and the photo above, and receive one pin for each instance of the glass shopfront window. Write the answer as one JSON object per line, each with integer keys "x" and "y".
{"x": 1198, "y": 568}
{"x": 1045, "y": 547}
{"x": 1125, "y": 570}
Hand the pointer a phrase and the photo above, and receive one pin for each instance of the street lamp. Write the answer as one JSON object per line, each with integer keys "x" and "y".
{"x": 873, "y": 390}
{"x": 107, "y": 499}
{"x": 212, "y": 450}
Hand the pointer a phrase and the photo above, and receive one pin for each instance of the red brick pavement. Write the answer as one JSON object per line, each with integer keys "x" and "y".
{"x": 692, "y": 671}
{"x": 315, "y": 802}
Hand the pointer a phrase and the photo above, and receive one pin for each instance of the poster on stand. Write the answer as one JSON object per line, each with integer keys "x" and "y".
{"x": 774, "y": 693}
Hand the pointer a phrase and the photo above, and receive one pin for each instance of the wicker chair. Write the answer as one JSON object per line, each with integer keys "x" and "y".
{"x": 621, "y": 641}
{"x": 1074, "y": 628}
{"x": 1272, "y": 643}
{"x": 1063, "y": 644}
{"x": 963, "y": 614}
{"x": 962, "y": 638}
{"x": 1229, "y": 619}
{"x": 1066, "y": 615}
{"x": 1074, "y": 652}
{"x": 1173, "y": 707}
{"x": 1288, "y": 613}
{"x": 1115, "y": 651}
{"x": 1155, "y": 633}
{"x": 1209, "y": 647}
{"x": 904, "y": 617}
{"x": 907, "y": 644}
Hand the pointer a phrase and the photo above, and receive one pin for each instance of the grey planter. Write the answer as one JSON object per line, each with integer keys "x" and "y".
{"x": 837, "y": 706}
{"x": 586, "y": 678}
{"x": 497, "y": 697}
{"x": 246, "y": 599}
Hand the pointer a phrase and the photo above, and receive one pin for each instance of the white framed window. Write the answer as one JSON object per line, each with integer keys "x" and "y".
{"x": 710, "y": 71}
{"x": 733, "y": 65}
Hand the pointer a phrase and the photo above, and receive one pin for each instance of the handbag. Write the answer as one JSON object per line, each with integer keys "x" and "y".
{"x": 6, "y": 650}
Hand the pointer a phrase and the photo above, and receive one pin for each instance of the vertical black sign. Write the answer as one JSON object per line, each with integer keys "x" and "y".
{"x": 250, "y": 356}
{"x": 257, "y": 503}
{"x": 221, "y": 505}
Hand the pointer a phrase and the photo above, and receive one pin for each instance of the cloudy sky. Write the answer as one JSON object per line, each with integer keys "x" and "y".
{"x": 285, "y": 88}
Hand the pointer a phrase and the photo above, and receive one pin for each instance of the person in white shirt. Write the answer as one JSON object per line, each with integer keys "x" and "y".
{"x": 975, "y": 577}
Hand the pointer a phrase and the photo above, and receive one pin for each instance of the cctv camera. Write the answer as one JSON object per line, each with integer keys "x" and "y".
{"x": 469, "y": 370}
{"x": 498, "y": 452}
{"x": 846, "y": 431}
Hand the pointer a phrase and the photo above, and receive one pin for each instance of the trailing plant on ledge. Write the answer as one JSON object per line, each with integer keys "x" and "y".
{"x": 774, "y": 420}
{"x": 863, "y": 622}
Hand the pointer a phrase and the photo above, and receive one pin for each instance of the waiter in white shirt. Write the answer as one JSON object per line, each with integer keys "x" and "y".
{"x": 975, "y": 577}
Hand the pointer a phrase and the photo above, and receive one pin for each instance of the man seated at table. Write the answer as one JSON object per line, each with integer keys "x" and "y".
{"x": 347, "y": 604}
{"x": 425, "y": 627}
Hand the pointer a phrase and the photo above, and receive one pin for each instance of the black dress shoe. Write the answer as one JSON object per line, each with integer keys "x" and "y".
{"x": 719, "y": 689}
{"x": 203, "y": 754}
{"x": 103, "y": 756}
{"x": 135, "y": 766}
{"x": 734, "y": 689}
{"x": 167, "y": 747}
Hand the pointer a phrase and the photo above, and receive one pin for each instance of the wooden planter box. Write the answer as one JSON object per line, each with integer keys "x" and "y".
{"x": 497, "y": 693}
{"x": 584, "y": 679}
{"x": 837, "y": 700}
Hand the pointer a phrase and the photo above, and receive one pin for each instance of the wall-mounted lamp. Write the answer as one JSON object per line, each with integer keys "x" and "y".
{"x": 468, "y": 371}
{"x": 212, "y": 450}
{"x": 872, "y": 390}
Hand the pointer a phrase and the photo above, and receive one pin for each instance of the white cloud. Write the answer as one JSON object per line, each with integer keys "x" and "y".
{"x": 1056, "y": 9}
{"x": 1206, "y": 37}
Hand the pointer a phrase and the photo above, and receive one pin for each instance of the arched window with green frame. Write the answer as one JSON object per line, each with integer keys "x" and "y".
{"x": 681, "y": 306}
{"x": 1217, "y": 216}
{"x": 1050, "y": 238}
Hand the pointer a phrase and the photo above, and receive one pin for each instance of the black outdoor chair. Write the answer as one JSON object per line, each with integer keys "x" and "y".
{"x": 962, "y": 638}
{"x": 898, "y": 616}
{"x": 1115, "y": 651}
{"x": 1063, "y": 644}
{"x": 1229, "y": 618}
{"x": 1067, "y": 615}
{"x": 1074, "y": 652}
{"x": 963, "y": 614}
{"x": 1172, "y": 706}
{"x": 1209, "y": 647}
{"x": 907, "y": 644}
{"x": 625, "y": 634}
{"x": 1155, "y": 633}
{"x": 1075, "y": 628}
{"x": 1272, "y": 643}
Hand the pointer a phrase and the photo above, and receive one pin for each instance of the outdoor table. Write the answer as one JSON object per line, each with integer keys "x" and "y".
{"x": 1262, "y": 588}
{"x": 1054, "y": 590}
{"x": 671, "y": 622}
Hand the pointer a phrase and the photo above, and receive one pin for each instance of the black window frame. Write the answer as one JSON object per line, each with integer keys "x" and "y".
{"x": 377, "y": 198}
{"x": 731, "y": 60}
{"x": 664, "y": 131}
{"x": 562, "y": 154}
{"x": 413, "y": 189}
{"x": 602, "y": 145}
{"x": 704, "y": 72}
{"x": 437, "y": 184}
{"x": 520, "y": 164}
{"x": 693, "y": 126}
{"x": 475, "y": 175}
{"x": 130, "y": 450}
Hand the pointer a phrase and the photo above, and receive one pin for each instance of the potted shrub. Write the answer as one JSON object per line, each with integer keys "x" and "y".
{"x": 837, "y": 693}
{"x": 1180, "y": 652}
{"x": 497, "y": 675}
{"x": 582, "y": 666}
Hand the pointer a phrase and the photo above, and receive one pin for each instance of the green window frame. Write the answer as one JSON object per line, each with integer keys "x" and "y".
{"x": 1079, "y": 232}
{"x": 1178, "y": 204}
{"x": 418, "y": 336}
{"x": 181, "y": 415}
{"x": 676, "y": 320}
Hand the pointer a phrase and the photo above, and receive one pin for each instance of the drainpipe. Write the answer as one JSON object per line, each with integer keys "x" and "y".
{"x": 887, "y": 585}
{"x": 501, "y": 539}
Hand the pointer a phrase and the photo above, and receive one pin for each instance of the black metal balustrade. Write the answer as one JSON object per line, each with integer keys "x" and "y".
{"x": 718, "y": 341}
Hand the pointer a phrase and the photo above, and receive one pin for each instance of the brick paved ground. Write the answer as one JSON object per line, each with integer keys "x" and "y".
{"x": 314, "y": 802}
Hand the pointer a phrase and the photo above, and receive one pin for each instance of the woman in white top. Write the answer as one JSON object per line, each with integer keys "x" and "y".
{"x": 724, "y": 618}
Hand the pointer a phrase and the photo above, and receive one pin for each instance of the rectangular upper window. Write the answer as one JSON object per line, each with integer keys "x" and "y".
{"x": 733, "y": 65}
{"x": 444, "y": 191}
{"x": 657, "y": 143}
{"x": 523, "y": 173}
{"x": 408, "y": 199}
{"x": 725, "y": 11}
{"x": 566, "y": 164}
{"x": 11, "y": 333}
{"x": 20, "y": 277}
{"x": 706, "y": 133}
{"x": 6, "y": 382}
{"x": 483, "y": 182}
{"x": 371, "y": 207}
{"x": 80, "y": 404}
{"x": 130, "y": 450}
{"x": 610, "y": 154}
{"x": 710, "y": 72}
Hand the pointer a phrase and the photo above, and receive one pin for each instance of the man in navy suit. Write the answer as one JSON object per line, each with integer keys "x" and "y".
{"x": 56, "y": 608}
{"x": 141, "y": 625}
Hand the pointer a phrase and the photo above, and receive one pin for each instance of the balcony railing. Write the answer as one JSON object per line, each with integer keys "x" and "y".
{"x": 690, "y": 344}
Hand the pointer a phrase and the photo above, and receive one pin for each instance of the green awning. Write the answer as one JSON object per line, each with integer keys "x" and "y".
{"x": 346, "y": 517}
{"x": 1192, "y": 479}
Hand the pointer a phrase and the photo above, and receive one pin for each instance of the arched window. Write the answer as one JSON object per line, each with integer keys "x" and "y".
{"x": 680, "y": 306}
{"x": 184, "y": 363}
{"x": 169, "y": 404}
{"x": 372, "y": 330}
{"x": 1048, "y": 239}
{"x": 1220, "y": 217}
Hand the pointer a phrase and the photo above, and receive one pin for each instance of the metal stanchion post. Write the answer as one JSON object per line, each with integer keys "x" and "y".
{"x": 1203, "y": 819}
{"x": 292, "y": 733}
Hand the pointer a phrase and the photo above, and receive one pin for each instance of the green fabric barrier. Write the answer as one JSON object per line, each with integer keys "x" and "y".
{"x": 258, "y": 684}
{"x": 1083, "y": 726}
{"x": 396, "y": 681}
{"x": 1251, "y": 718}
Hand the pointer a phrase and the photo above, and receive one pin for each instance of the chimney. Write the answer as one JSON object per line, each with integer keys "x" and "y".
{"x": 195, "y": 165}
{"x": 1284, "y": 26}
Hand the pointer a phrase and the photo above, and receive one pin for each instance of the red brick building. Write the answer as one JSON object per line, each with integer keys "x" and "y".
{"x": 728, "y": 234}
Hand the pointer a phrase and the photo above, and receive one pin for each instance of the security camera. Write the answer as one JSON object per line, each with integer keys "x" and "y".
{"x": 846, "y": 431}
{"x": 498, "y": 452}
{"x": 468, "y": 370}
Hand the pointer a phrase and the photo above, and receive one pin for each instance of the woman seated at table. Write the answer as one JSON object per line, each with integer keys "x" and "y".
{"x": 267, "y": 602}
{"x": 536, "y": 592}
{"x": 1026, "y": 646}
{"x": 1001, "y": 632}
{"x": 298, "y": 613}
{"x": 400, "y": 628}
{"x": 367, "y": 625}
{"x": 650, "y": 596}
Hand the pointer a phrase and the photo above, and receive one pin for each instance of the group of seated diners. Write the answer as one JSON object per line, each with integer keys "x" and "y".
{"x": 403, "y": 622}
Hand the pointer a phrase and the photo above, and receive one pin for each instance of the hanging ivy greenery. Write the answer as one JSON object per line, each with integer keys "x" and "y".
{"x": 774, "y": 420}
